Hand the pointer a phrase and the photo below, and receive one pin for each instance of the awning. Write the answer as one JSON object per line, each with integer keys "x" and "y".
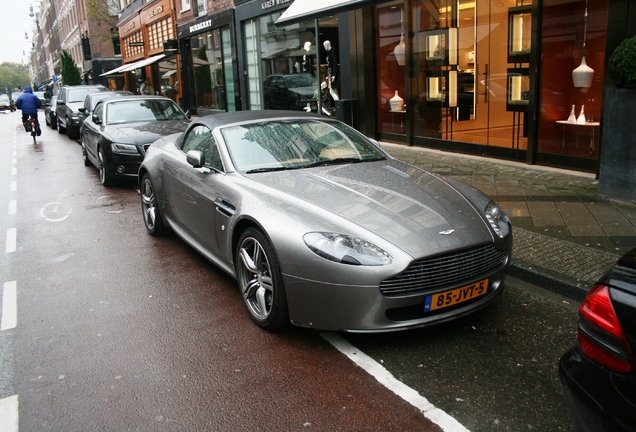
{"x": 303, "y": 10}
{"x": 135, "y": 65}
{"x": 114, "y": 71}
{"x": 142, "y": 63}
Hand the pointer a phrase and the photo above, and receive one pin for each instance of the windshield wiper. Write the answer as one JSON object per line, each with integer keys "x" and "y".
{"x": 270, "y": 169}
{"x": 339, "y": 161}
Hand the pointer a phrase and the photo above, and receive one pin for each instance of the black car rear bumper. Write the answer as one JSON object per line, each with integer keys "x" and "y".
{"x": 591, "y": 396}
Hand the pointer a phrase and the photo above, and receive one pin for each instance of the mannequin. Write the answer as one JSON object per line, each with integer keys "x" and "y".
{"x": 307, "y": 66}
{"x": 332, "y": 70}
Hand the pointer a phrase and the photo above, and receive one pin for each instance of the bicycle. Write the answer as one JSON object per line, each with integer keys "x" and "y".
{"x": 33, "y": 129}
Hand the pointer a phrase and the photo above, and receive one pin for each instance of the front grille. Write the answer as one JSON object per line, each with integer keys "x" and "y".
{"x": 444, "y": 271}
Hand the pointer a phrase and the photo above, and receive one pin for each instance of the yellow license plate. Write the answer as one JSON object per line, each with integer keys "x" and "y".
{"x": 455, "y": 296}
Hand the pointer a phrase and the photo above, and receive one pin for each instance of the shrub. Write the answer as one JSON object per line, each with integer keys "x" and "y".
{"x": 622, "y": 64}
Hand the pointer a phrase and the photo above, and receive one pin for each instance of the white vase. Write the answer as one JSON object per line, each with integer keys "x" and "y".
{"x": 581, "y": 118}
{"x": 396, "y": 102}
{"x": 572, "y": 118}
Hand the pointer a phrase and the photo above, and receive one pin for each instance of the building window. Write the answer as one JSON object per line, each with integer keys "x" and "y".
{"x": 133, "y": 45}
{"x": 160, "y": 31}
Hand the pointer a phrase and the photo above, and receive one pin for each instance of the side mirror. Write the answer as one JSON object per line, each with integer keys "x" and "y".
{"x": 60, "y": 102}
{"x": 196, "y": 158}
{"x": 82, "y": 110}
{"x": 96, "y": 119}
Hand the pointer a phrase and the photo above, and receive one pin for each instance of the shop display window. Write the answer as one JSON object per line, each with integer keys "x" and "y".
{"x": 519, "y": 34}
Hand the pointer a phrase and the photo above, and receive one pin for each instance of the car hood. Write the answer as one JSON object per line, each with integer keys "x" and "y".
{"x": 305, "y": 91}
{"x": 75, "y": 106}
{"x": 411, "y": 208}
{"x": 144, "y": 132}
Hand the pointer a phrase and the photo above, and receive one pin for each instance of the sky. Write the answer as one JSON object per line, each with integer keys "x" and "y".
{"x": 15, "y": 23}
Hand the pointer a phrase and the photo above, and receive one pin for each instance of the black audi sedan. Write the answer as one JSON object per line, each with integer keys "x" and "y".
{"x": 120, "y": 129}
{"x": 597, "y": 375}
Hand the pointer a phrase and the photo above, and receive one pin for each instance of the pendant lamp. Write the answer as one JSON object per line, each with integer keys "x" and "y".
{"x": 583, "y": 75}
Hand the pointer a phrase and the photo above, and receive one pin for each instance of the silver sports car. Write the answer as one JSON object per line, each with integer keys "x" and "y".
{"x": 321, "y": 227}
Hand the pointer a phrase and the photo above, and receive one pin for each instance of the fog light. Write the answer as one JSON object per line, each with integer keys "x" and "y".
{"x": 120, "y": 169}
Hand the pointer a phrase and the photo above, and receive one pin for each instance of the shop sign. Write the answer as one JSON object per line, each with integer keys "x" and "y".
{"x": 130, "y": 27}
{"x": 271, "y": 3}
{"x": 156, "y": 12}
{"x": 201, "y": 26}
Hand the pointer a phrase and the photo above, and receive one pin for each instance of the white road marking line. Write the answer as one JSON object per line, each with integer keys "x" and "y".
{"x": 13, "y": 187}
{"x": 12, "y": 236}
{"x": 13, "y": 206}
{"x": 9, "y": 307}
{"x": 384, "y": 377}
{"x": 9, "y": 414}
{"x": 14, "y": 171}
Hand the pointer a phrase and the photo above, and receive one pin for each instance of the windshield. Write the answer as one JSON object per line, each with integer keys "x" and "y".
{"x": 276, "y": 145}
{"x": 142, "y": 111}
{"x": 79, "y": 94}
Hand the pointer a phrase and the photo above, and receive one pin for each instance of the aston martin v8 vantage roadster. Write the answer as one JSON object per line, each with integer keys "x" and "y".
{"x": 320, "y": 227}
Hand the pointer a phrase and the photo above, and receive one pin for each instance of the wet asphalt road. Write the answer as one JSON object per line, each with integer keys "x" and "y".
{"x": 121, "y": 331}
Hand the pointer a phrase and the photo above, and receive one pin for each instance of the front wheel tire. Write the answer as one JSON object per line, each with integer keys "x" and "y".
{"x": 85, "y": 156}
{"x": 260, "y": 281}
{"x": 105, "y": 175}
{"x": 150, "y": 209}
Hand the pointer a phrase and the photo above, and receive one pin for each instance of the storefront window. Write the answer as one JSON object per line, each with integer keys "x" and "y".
{"x": 463, "y": 77}
{"x": 391, "y": 68}
{"x": 284, "y": 66}
{"x": 209, "y": 55}
{"x": 168, "y": 76}
{"x": 564, "y": 34}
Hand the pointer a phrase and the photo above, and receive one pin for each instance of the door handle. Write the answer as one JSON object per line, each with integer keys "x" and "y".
{"x": 483, "y": 81}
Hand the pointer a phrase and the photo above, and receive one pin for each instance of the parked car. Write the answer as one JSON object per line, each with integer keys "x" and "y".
{"x": 69, "y": 100}
{"x": 50, "y": 117}
{"x": 40, "y": 95}
{"x": 598, "y": 376}
{"x": 91, "y": 100}
{"x": 6, "y": 104}
{"x": 321, "y": 227}
{"x": 297, "y": 92}
{"x": 116, "y": 136}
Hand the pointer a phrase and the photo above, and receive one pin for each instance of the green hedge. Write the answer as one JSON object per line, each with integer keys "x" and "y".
{"x": 622, "y": 64}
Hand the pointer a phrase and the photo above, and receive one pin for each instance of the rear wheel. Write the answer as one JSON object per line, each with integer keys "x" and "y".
{"x": 260, "y": 280}
{"x": 149, "y": 208}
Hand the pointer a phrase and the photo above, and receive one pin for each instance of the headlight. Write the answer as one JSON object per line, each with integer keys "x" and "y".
{"x": 124, "y": 148}
{"x": 345, "y": 249}
{"x": 497, "y": 218}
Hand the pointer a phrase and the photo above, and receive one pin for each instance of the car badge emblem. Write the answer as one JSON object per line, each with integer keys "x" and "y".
{"x": 447, "y": 232}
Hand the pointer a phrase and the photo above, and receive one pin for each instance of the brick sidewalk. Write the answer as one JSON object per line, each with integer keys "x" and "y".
{"x": 565, "y": 234}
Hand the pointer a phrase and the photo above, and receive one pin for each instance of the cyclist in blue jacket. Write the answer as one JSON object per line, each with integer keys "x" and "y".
{"x": 29, "y": 104}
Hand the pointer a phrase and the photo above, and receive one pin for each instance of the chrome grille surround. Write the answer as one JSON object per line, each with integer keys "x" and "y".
{"x": 444, "y": 271}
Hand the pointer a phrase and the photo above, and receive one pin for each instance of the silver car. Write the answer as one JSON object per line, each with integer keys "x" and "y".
{"x": 321, "y": 227}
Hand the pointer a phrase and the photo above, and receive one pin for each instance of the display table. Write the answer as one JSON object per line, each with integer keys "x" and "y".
{"x": 587, "y": 127}
{"x": 401, "y": 115}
